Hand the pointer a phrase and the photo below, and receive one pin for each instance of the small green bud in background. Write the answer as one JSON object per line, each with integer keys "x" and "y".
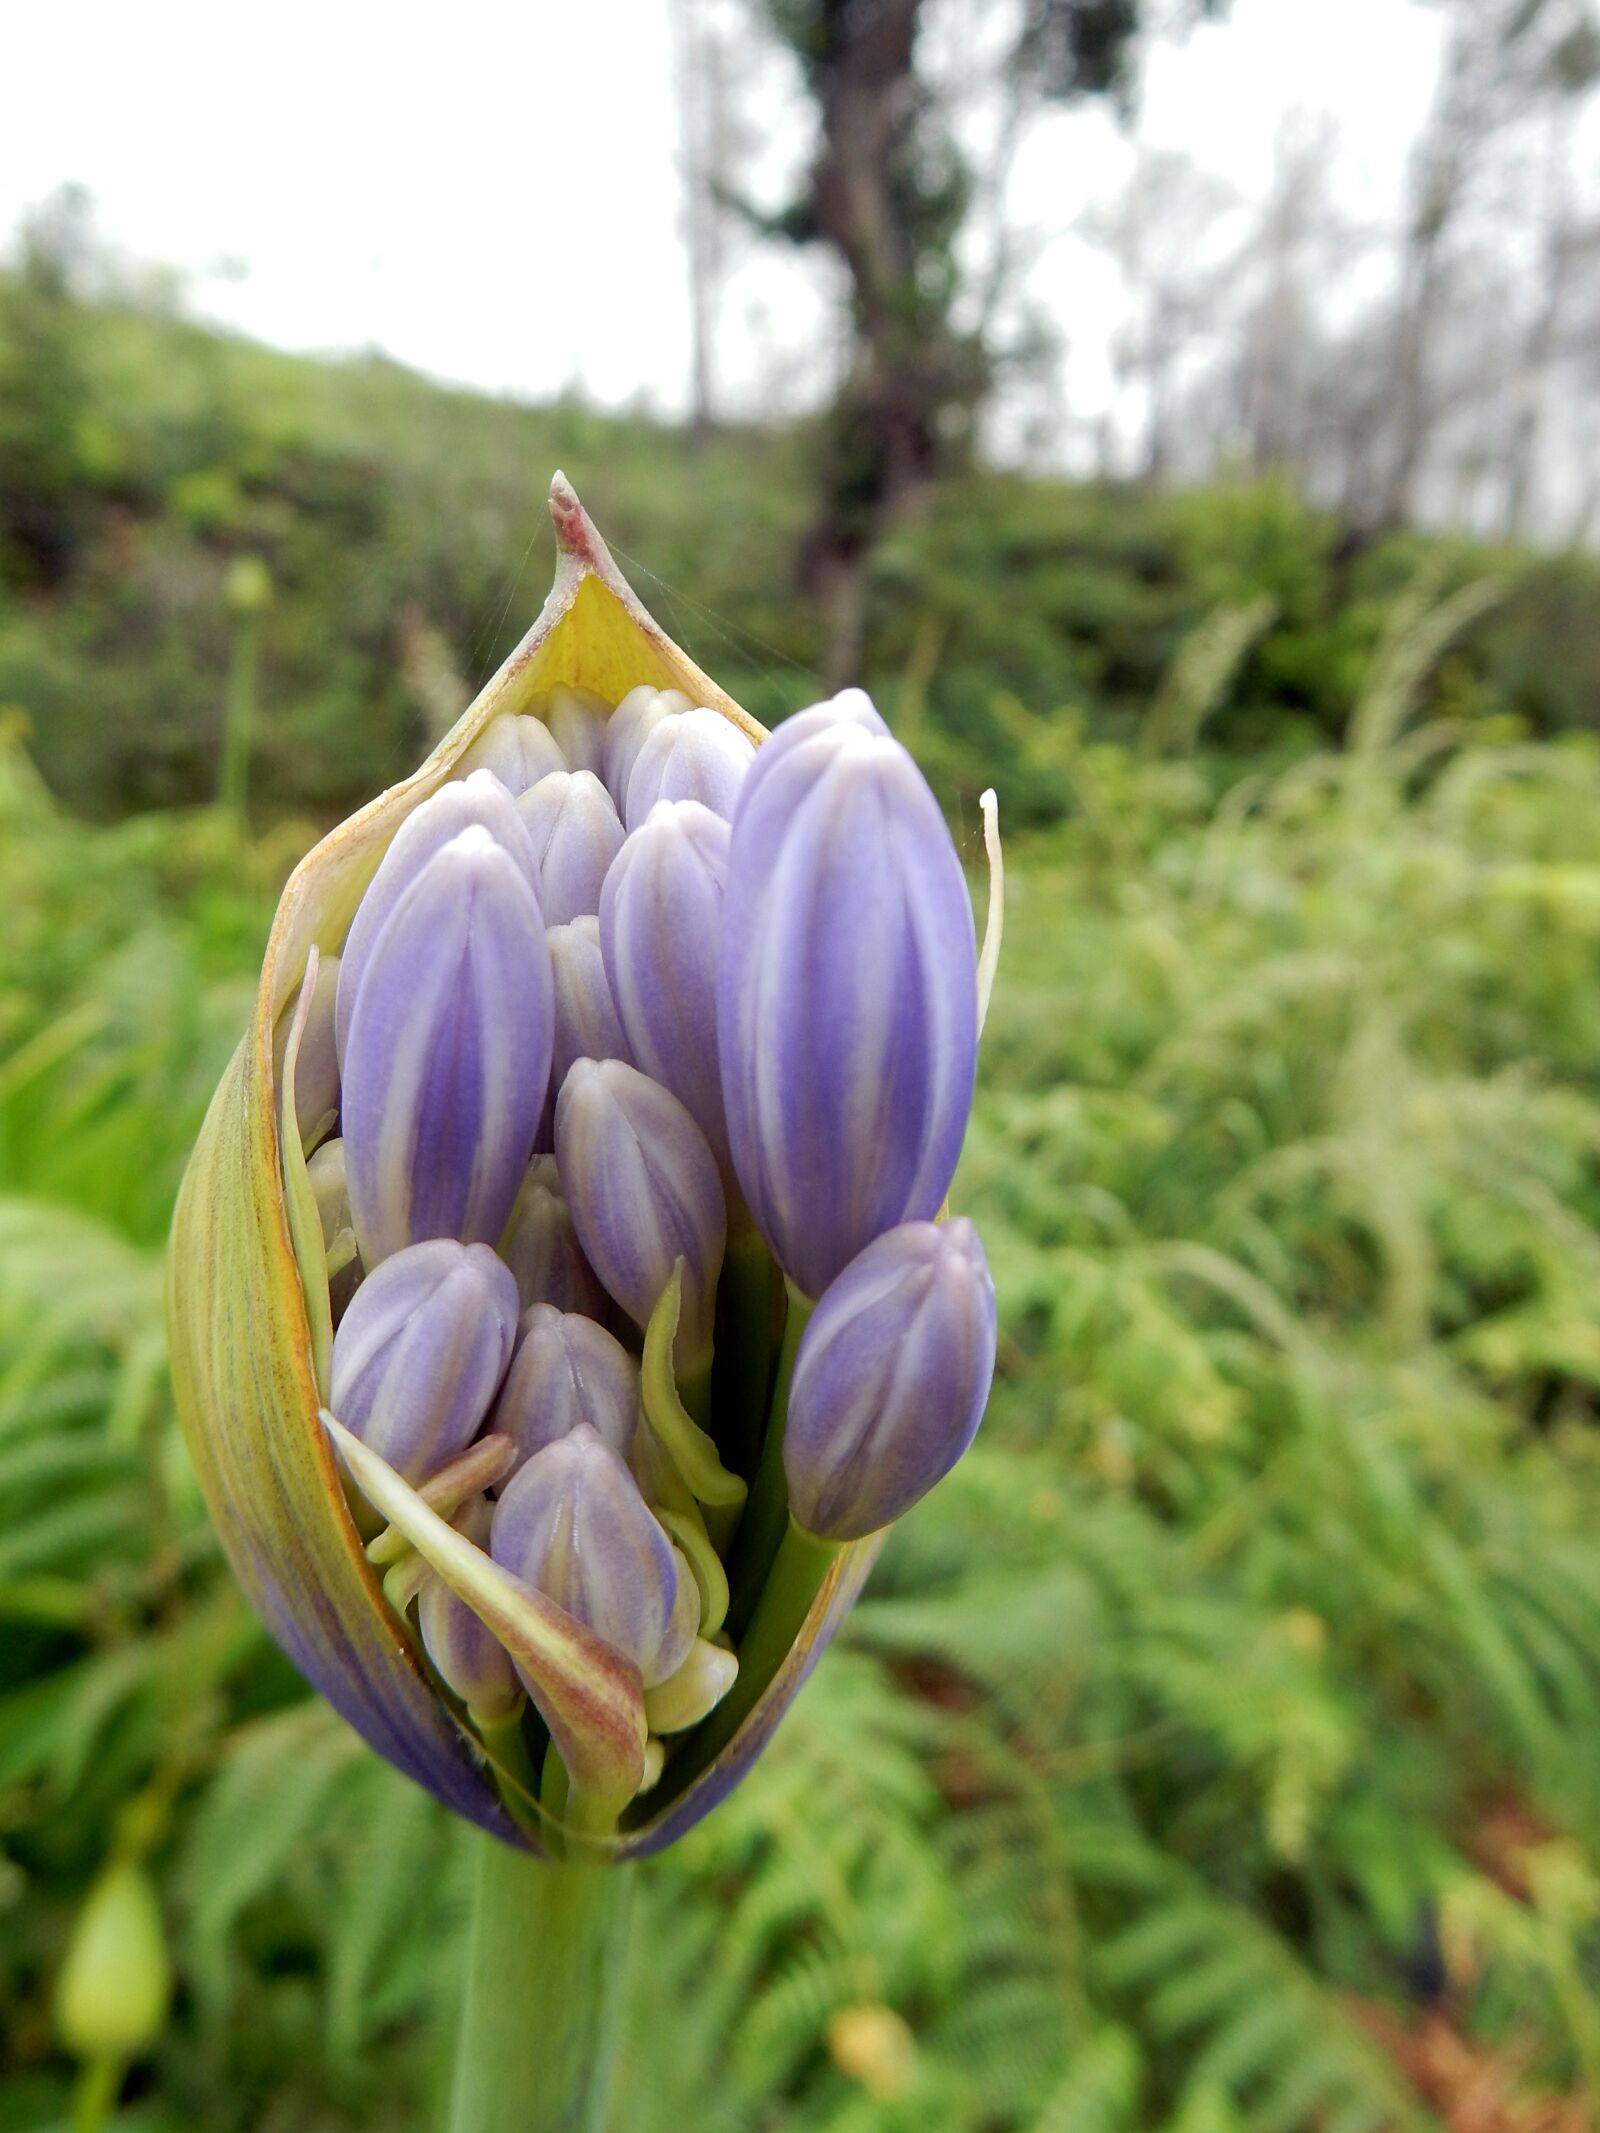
{"x": 115, "y": 1984}
{"x": 248, "y": 592}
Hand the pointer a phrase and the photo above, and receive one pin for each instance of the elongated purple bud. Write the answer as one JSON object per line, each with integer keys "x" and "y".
{"x": 567, "y": 1371}
{"x": 474, "y": 1663}
{"x": 577, "y": 719}
{"x": 316, "y": 1074}
{"x": 643, "y": 1187}
{"x": 627, "y": 730}
{"x": 572, "y": 1523}
{"x": 661, "y": 933}
{"x": 689, "y": 755}
{"x": 847, "y": 1005}
{"x": 420, "y": 1353}
{"x": 575, "y": 833}
{"x": 448, "y": 1056}
{"x": 587, "y": 1024}
{"x": 543, "y": 1251}
{"x": 480, "y": 801}
{"x": 517, "y": 749}
{"x": 891, "y": 1379}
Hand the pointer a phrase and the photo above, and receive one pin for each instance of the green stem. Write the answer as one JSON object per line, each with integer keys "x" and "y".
{"x": 744, "y": 1350}
{"x": 767, "y": 1511}
{"x": 538, "y": 2028}
{"x": 239, "y": 714}
{"x": 95, "y": 2096}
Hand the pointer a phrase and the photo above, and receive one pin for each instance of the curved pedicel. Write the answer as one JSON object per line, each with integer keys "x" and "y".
{"x": 241, "y": 1343}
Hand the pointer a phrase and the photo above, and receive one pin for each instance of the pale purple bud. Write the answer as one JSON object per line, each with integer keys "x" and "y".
{"x": 473, "y": 1662}
{"x": 448, "y": 1056}
{"x": 330, "y": 1188}
{"x": 421, "y": 1350}
{"x": 643, "y": 1187}
{"x": 543, "y": 1251}
{"x": 890, "y": 1380}
{"x": 575, "y": 833}
{"x": 316, "y": 1072}
{"x": 847, "y": 1001}
{"x": 572, "y": 1524}
{"x": 480, "y": 801}
{"x": 689, "y": 755}
{"x": 628, "y": 728}
{"x": 567, "y": 1371}
{"x": 661, "y": 930}
{"x": 517, "y": 749}
{"x": 587, "y": 1026}
{"x": 577, "y": 718}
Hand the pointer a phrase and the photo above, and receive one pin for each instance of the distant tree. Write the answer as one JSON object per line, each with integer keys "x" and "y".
{"x": 710, "y": 63}
{"x": 43, "y": 392}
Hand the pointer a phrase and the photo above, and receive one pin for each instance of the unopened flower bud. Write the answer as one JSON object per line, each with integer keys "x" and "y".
{"x": 627, "y": 730}
{"x": 847, "y": 995}
{"x": 543, "y": 1251}
{"x": 567, "y": 1371}
{"x": 661, "y": 931}
{"x": 330, "y": 1189}
{"x": 448, "y": 1055}
{"x": 518, "y": 750}
{"x": 575, "y": 833}
{"x": 115, "y": 1986}
{"x": 572, "y": 1523}
{"x": 474, "y": 1663}
{"x": 421, "y": 1350}
{"x": 577, "y": 719}
{"x": 478, "y": 802}
{"x": 316, "y": 1073}
{"x": 890, "y": 1380}
{"x": 643, "y": 1187}
{"x": 586, "y": 1021}
{"x": 689, "y": 755}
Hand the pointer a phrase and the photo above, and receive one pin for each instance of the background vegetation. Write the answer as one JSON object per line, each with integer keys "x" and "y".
{"x": 1215, "y": 1752}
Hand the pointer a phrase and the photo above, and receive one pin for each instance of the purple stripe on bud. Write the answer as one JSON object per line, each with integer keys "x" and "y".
{"x": 891, "y": 1379}
{"x": 474, "y": 1663}
{"x": 629, "y": 727}
{"x": 689, "y": 755}
{"x": 316, "y": 1073}
{"x": 577, "y": 718}
{"x": 575, "y": 833}
{"x": 847, "y": 1006}
{"x": 420, "y": 1353}
{"x": 516, "y": 749}
{"x": 661, "y": 930}
{"x": 643, "y": 1187}
{"x": 543, "y": 1251}
{"x": 567, "y": 1371}
{"x": 448, "y": 1056}
{"x": 572, "y": 1524}
{"x": 481, "y": 801}
{"x": 587, "y": 1024}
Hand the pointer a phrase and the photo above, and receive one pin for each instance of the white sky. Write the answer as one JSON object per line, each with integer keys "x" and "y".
{"x": 489, "y": 191}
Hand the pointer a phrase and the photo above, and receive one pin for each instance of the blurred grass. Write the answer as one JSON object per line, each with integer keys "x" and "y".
{"x": 1214, "y": 1750}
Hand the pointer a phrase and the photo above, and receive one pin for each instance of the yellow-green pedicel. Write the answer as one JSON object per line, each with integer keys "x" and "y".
{"x": 249, "y": 1329}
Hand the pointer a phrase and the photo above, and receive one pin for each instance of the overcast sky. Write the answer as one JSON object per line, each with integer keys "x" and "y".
{"x": 489, "y": 191}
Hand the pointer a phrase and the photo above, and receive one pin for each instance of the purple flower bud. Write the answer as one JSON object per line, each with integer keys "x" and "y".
{"x": 847, "y": 1005}
{"x": 587, "y": 1026}
{"x": 890, "y": 1379}
{"x": 661, "y": 930}
{"x": 627, "y": 730}
{"x": 644, "y": 1192}
{"x": 567, "y": 1371}
{"x": 543, "y": 1251}
{"x": 518, "y": 750}
{"x": 316, "y": 1073}
{"x": 472, "y": 1660}
{"x": 575, "y": 834}
{"x": 479, "y": 801}
{"x": 420, "y": 1352}
{"x": 448, "y": 1056}
{"x": 572, "y": 1524}
{"x": 689, "y": 755}
{"x": 577, "y": 719}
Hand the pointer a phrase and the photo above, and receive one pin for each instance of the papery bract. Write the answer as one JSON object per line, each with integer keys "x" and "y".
{"x": 847, "y": 994}
{"x": 891, "y": 1378}
{"x": 421, "y": 1350}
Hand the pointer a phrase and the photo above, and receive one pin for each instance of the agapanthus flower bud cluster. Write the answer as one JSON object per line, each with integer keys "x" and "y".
{"x": 634, "y": 1093}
